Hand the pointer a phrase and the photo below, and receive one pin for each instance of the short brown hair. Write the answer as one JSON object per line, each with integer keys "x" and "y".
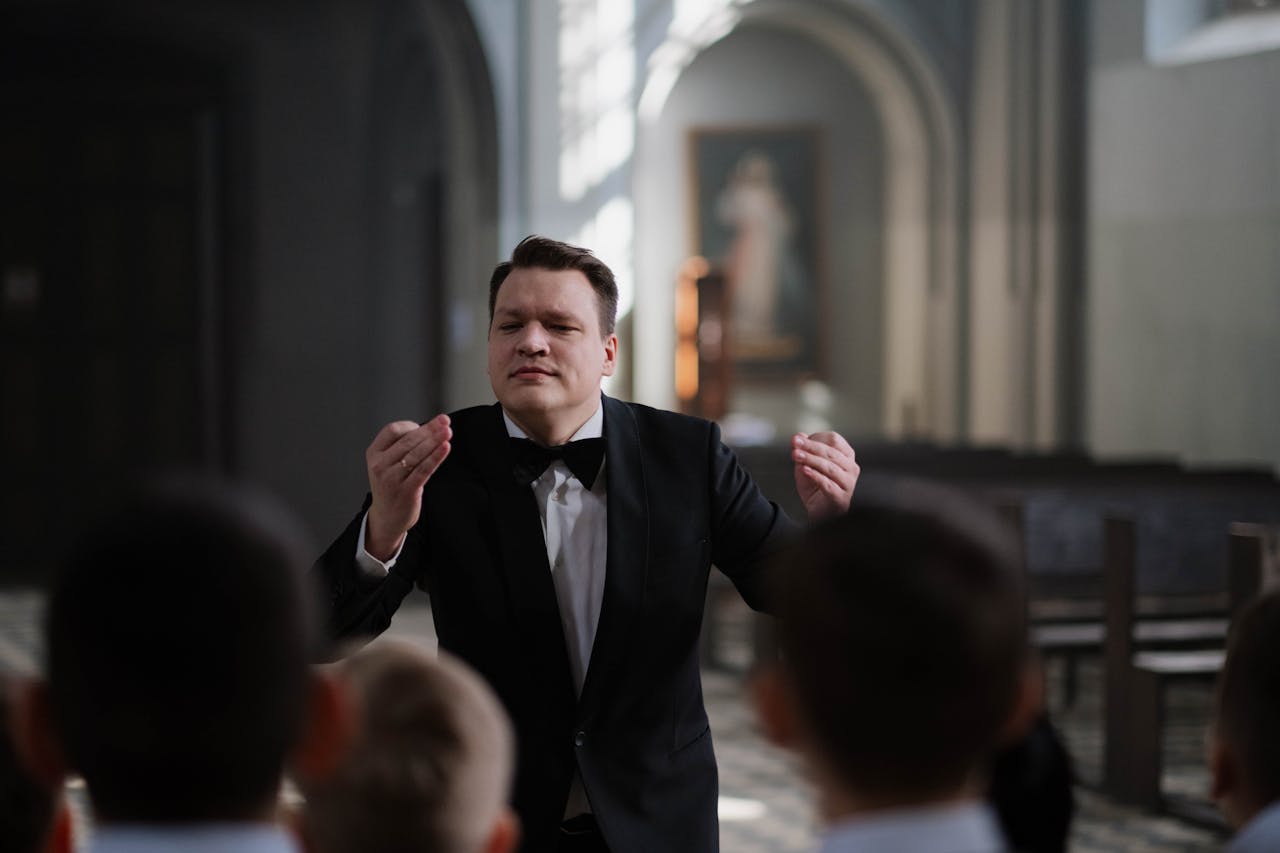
{"x": 1248, "y": 697}
{"x": 904, "y": 635}
{"x": 534, "y": 252}
{"x": 431, "y": 768}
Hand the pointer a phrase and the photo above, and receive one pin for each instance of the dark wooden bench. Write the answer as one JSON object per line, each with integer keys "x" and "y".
{"x": 1072, "y": 641}
{"x": 1068, "y": 494}
{"x": 1136, "y": 681}
{"x": 1062, "y": 554}
{"x": 1181, "y": 599}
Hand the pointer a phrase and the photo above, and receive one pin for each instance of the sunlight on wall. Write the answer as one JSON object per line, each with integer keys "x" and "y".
{"x": 597, "y": 60}
{"x": 610, "y": 234}
{"x": 696, "y": 24}
{"x": 597, "y": 78}
{"x": 1180, "y": 32}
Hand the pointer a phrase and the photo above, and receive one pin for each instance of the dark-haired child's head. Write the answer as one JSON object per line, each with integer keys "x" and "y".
{"x": 904, "y": 648}
{"x": 179, "y": 633}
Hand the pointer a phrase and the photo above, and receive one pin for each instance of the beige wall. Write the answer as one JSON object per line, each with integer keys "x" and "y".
{"x": 1183, "y": 320}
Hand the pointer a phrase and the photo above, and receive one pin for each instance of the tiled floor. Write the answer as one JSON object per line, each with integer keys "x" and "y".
{"x": 764, "y": 802}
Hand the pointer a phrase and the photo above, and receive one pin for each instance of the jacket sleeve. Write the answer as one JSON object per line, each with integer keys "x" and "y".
{"x": 356, "y": 605}
{"x": 747, "y": 528}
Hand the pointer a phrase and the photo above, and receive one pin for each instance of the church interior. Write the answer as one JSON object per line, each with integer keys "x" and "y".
{"x": 1026, "y": 247}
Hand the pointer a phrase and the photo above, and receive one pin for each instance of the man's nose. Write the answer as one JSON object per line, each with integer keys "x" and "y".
{"x": 533, "y": 340}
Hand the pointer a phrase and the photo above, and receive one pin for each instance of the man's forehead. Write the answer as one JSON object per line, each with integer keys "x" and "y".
{"x": 566, "y": 291}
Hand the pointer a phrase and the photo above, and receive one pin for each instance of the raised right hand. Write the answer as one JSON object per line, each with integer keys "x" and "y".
{"x": 401, "y": 459}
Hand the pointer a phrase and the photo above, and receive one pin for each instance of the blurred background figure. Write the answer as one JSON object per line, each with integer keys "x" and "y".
{"x": 1244, "y": 752}
{"x": 34, "y": 818}
{"x": 1031, "y": 790}
{"x": 431, "y": 766}
{"x": 758, "y": 260}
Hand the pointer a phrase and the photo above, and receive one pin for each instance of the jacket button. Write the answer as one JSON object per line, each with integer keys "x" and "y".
{"x": 580, "y": 738}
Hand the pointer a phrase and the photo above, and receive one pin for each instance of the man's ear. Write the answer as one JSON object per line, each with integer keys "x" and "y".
{"x": 36, "y": 736}
{"x": 1028, "y": 703}
{"x": 1223, "y": 780}
{"x": 610, "y": 355}
{"x": 505, "y": 834}
{"x": 330, "y": 727}
{"x": 62, "y": 836}
{"x": 1226, "y": 787}
{"x": 774, "y": 700}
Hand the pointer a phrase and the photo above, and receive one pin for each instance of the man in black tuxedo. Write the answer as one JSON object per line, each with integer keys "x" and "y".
{"x": 565, "y": 539}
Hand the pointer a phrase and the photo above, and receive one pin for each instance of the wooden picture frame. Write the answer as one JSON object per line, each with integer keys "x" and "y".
{"x": 756, "y": 195}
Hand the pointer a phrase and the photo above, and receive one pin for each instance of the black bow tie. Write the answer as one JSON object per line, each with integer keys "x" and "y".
{"x": 583, "y": 458}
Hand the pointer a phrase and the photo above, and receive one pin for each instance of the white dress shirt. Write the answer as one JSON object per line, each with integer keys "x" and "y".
{"x": 961, "y": 828}
{"x": 575, "y": 530}
{"x": 200, "y": 838}
{"x": 574, "y": 527}
{"x": 1260, "y": 834}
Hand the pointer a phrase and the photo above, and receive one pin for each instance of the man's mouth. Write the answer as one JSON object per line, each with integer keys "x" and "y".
{"x": 532, "y": 371}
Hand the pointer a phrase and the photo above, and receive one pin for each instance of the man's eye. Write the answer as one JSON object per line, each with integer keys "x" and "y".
{"x": 509, "y": 327}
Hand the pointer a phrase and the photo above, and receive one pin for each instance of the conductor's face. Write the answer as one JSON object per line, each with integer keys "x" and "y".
{"x": 547, "y": 354}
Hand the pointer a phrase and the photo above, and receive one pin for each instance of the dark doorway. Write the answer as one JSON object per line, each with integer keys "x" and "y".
{"x": 109, "y": 292}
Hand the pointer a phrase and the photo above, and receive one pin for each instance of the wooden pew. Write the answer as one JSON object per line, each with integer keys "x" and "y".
{"x": 1136, "y": 681}
{"x": 1179, "y": 600}
{"x": 1064, "y": 555}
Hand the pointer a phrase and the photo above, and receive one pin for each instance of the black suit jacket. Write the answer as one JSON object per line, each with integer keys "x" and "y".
{"x": 678, "y": 501}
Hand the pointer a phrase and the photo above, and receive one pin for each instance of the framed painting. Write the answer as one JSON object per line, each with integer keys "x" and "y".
{"x": 756, "y": 203}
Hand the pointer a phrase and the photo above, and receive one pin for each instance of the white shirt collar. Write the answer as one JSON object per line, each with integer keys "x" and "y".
{"x": 961, "y": 828}
{"x": 593, "y": 428}
{"x": 1260, "y": 834}
{"x": 196, "y": 838}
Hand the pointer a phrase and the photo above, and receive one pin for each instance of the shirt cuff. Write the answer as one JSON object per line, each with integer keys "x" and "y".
{"x": 373, "y": 568}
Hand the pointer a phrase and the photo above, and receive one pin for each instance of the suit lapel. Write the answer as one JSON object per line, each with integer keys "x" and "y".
{"x": 627, "y": 546}
{"x": 531, "y": 593}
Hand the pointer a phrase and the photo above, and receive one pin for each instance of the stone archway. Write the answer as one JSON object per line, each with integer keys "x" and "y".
{"x": 922, "y": 343}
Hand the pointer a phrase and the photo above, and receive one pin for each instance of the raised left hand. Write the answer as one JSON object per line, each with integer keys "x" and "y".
{"x": 826, "y": 471}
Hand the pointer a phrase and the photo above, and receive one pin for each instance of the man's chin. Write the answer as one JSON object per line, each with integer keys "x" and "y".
{"x": 526, "y": 399}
